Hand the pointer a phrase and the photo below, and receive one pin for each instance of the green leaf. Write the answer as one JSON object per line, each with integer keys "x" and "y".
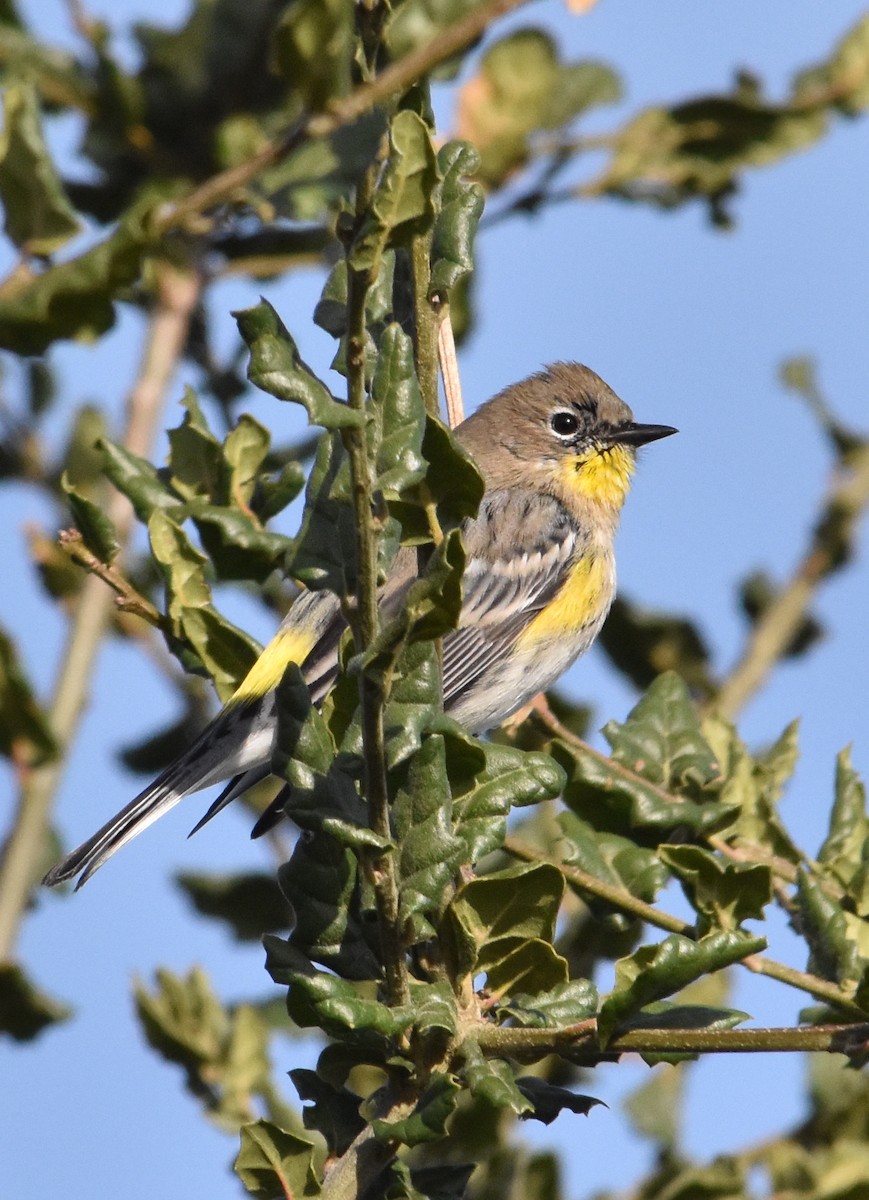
{"x": 641, "y": 643}
{"x": 245, "y": 448}
{"x": 322, "y": 1000}
{"x": 654, "y": 1108}
{"x": 522, "y": 87}
{"x": 844, "y": 850}
{"x": 510, "y": 778}
{"x": 429, "y": 853}
{"x": 249, "y": 903}
{"x": 237, "y": 545}
{"x": 25, "y": 730}
{"x": 504, "y": 924}
{"x": 97, "y": 530}
{"x": 427, "y": 1122}
{"x": 276, "y": 367}
{"x": 663, "y": 774}
{"x": 312, "y": 48}
{"x": 662, "y": 740}
{"x": 323, "y": 552}
{"x": 224, "y": 651}
{"x": 461, "y": 206}
{"x": 445, "y": 1181}
{"x": 612, "y": 859}
{"x": 752, "y": 788}
{"x": 39, "y": 217}
{"x": 565, "y": 1004}
{"x": 139, "y": 481}
{"x": 77, "y": 298}
{"x": 492, "y": 1080}
{"x": 839, "y": 947}
{"x": 654, "y": 972}
{"x": 333, "y": 1112}
{"x": 321, "y": 882}
{"x": 272, "y": 1162}
{"x": 196, "y": 462}
{"x": 843, "y": 79}
{"x": 402, "y": 204}
{"x": 724, "y": 894}
{"x": 399, "y": 416}
{"x": 25, "y": 1011}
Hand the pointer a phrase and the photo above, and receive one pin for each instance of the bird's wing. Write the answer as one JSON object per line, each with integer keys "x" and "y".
{"x": 518, "y": 550}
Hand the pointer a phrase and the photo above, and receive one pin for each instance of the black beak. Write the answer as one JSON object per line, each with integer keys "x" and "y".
{"x": 639, "y": 435}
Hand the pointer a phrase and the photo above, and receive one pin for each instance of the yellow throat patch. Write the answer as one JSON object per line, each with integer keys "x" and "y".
{"x": 603, "y": 476}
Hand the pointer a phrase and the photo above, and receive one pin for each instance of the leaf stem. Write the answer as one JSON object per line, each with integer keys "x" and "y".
{"x": 380, "y": 865}
{"x": 177, "y": 296}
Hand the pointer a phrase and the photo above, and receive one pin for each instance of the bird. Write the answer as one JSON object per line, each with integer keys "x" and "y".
{"x": 557, "y": 453}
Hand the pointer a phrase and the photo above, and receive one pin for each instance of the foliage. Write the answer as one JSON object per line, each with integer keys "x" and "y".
{"x": 449, "y": 965}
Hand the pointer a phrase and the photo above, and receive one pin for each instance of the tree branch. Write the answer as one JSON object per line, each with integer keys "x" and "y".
{"x": 394, "y": 79}
{"x": 498, "y": 1040}
{"x": 177, "y": 295}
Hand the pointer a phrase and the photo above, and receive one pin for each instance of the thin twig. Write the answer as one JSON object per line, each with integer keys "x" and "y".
{"x": 775, "y": 629}
{"x": 177, "y": 296}
{"x": 128, "y": 599}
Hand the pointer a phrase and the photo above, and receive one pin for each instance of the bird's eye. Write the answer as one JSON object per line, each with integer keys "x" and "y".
{"x": 564, "y": 423}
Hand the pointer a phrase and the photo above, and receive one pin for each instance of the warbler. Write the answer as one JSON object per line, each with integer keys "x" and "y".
{"x": 556, "y": 452}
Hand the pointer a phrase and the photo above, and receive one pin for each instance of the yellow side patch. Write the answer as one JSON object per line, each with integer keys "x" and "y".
{"x": 603, "y": 477}
{"x": 587, "y": 591}
{"x": 288, "y": 645}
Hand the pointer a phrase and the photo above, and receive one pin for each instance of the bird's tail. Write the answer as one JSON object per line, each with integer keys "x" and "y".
{"x": 238, "y": 742}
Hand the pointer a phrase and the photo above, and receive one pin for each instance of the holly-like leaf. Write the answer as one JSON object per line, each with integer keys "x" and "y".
{"x": 224, "y": 651}
{"x": 250, "y": 903}
{"x": 25, "y": 1010}
{"x": 77, "y": 297}
{"x": 25, "y": 730}
{"x": 461, "y": 206}
{"x": 565, "y": 1004}
{"x": 427, "y": 1122}
{"x": 97, "y": 530}
{"x": 654, "y": 972}
{"x": 429, "y": 853}
{"x": 402, "y": 204}
{"x": 492, "y": 1080}
{"x": 548, "y": 1101}
{"x": 333, "y": 1111}
{"x": 272, "y": 1162}
{"x": 39, "y": 216}
{"x": 510, "y": 779}
{"x": 724, "y": 894}
{"x": 276, "y": 367}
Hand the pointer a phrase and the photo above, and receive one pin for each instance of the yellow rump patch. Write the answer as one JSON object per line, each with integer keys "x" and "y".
{"x": 586, "y": 592}
{"x": 288, "y": 645}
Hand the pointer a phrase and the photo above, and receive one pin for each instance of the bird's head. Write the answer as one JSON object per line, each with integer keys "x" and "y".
{"x": 562, "y": 429}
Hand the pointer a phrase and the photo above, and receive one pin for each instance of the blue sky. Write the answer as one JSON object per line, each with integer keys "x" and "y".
{"x": 689, "y": 326}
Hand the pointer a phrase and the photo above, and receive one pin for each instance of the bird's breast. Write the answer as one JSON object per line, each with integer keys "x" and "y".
{"x": 581, "y": 605}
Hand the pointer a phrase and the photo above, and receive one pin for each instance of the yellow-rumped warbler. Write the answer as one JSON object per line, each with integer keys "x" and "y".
{"x": 557, "y": 453}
